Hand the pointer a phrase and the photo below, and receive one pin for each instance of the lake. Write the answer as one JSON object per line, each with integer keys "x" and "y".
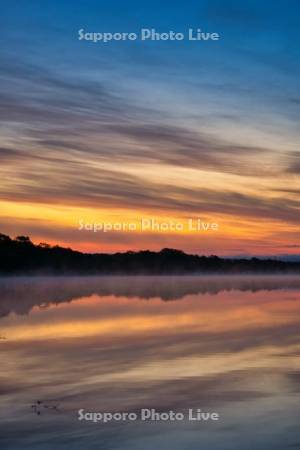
{"x": 225, "y": 345}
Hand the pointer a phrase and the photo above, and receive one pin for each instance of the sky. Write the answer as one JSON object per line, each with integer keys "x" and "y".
{"x": 159, "y": 130}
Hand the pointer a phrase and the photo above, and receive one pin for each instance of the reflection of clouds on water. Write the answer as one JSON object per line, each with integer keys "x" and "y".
{"x": 293, "y": 379}
{"x": 235, "y": 352}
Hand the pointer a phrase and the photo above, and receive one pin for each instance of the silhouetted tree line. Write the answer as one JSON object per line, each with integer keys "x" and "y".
{"x": 21, "y": 256}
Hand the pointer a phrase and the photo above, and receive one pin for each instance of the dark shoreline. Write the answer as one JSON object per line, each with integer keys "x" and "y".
{"x": 21, "y": 257}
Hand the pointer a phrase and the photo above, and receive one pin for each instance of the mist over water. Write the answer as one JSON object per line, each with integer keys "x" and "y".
{"x": 219, "y": 343}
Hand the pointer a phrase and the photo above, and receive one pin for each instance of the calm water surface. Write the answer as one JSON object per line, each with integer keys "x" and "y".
{"x": 224, "y": 344}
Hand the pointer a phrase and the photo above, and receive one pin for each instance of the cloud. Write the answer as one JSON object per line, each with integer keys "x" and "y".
{"x": 293, "y": 168}
{"x": 74, "y": 115}
{"x": 70, "y": 137}
{"x": 77, "y": 183}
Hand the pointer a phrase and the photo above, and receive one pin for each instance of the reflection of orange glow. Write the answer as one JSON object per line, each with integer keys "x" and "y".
{"x": 200, "y": 335}
{"x": 110, "y": 316}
